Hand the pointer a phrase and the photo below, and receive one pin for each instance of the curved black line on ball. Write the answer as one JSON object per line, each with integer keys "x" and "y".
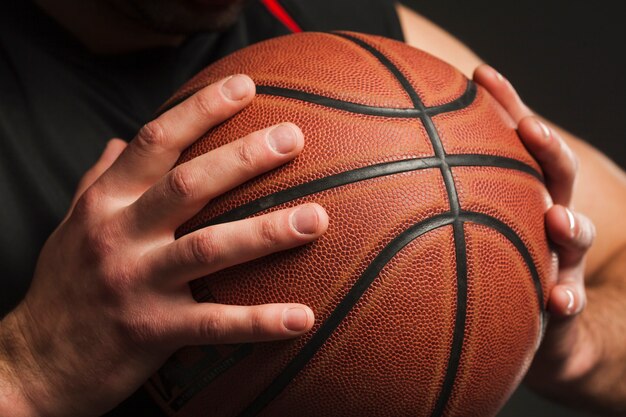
{"x": 343, "y": 308}
{"x": 506, "y": 231}
{"x": 460, "y": 318}
{"x": 367, "y": 278}
{"x": 361, "y": 174}
{"x": 480, "y": 160}
{"x": 391, "y": 67}
{"x": 417, "y": 111}
{"x": 402, "y": 113}
{"x": 321, "y": 184}
{"x": 455, "y": 207}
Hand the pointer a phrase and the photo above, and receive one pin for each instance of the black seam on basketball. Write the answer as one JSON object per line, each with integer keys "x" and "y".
{"x": 341, "y": 311}
{"x": 455, "y": 207}
{"x": 480, "y": 160}
{"x": 398, "y": 75}
{"x": 460, "y": 318}
{"x": 461, "y": 102}
{"x": 370, "y": 274}
{"x": 464, "y": 100}
{"x": 361, "y": 174}
{"x": 516, "y": 240}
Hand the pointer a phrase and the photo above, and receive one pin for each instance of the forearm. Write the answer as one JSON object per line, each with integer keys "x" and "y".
{"x": 13, "y": 399}
{"x": 603, "y": 386}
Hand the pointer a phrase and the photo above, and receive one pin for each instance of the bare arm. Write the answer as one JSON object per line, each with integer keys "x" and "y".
{"x": 583, "y": 358}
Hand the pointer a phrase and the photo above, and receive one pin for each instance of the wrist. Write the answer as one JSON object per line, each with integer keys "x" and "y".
{"x": 14, "y": 400}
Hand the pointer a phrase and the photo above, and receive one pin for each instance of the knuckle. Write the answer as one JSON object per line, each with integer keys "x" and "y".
{"x": 99, "y": 243}
{"x": 588, "y": 233}
{"x": 204, "y": 102}
{"x": 258, "y": 324}
{"x": 204, "y": 249}
{"x": 214, "y": 327}
{"x": 568, "y": 157}
{"x": 151, "y": 136}
{"x": 244, "y": 153}
{"x": 89, "y": 203}
{"x": 269, "y": 233}
{"x": 180, "y": 183}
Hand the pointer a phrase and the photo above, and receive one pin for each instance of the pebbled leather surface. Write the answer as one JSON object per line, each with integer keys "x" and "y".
{"x": 390, "y": 354}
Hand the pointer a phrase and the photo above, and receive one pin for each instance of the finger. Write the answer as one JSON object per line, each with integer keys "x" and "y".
{"x": 207, "y": 323}
{"x": 502, "y": 91}
{"x": 567, "y": 299}
{"x": 188, "y": 187}
{"x": 111, "y": 152}
{"x": 217, "y": 247}
{"x": 159, "y": 143}
{"x": 556, "y": 158}
{"x": 572, "y": 233}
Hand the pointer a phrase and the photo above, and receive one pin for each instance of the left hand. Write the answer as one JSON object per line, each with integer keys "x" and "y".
{"x": 571, "y": 233}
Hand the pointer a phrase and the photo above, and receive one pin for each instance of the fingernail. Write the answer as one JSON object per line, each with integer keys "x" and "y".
{"x": 295, "y": 319}
{"x": 237, "y": 87}
{"x": 499, "y": 76}
{"x": 283, "y": 139}
{"x": 571, "y": 220}
{"x": 570, "y": 303}
{"x": 305, "y": 220}
{"x": 544, "y": 129}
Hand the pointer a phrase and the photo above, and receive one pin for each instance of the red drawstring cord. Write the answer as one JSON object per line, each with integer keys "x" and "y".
{"x": 279, "y": 12}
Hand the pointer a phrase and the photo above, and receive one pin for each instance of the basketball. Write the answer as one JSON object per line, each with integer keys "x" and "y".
{"x": 429, "y": 287}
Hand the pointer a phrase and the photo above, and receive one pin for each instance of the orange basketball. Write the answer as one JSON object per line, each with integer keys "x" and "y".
{"x": 429, "y": 287}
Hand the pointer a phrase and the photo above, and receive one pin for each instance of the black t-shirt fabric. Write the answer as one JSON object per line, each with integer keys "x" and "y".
{"x": 60, "y": 104}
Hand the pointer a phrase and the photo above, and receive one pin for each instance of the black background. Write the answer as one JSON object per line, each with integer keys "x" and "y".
{"x": 565, "y": 58}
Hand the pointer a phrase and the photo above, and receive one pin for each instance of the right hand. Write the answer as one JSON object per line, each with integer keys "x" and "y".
{"x": 109, "y": 301}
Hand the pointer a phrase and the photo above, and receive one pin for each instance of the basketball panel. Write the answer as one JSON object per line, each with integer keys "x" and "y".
{"x": 436, "y": 82}
{"x": 518, "y": 200}
{"x": 502, "y": 328}
{"x": 339, "y": 70}
{"x": 482, "y": 128}
{"x": 365, "y": 217}
{"x": 394, "y": 344}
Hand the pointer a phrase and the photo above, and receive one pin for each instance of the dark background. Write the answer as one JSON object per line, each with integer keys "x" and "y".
{"x": 565, "y": 58}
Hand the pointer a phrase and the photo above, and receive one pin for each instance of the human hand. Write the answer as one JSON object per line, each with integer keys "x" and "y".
{"x": 109, "y": 301}
{"x": 564, "y": 353}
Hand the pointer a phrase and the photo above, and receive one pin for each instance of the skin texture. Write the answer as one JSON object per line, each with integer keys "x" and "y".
{"x": 129, "y": 290}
